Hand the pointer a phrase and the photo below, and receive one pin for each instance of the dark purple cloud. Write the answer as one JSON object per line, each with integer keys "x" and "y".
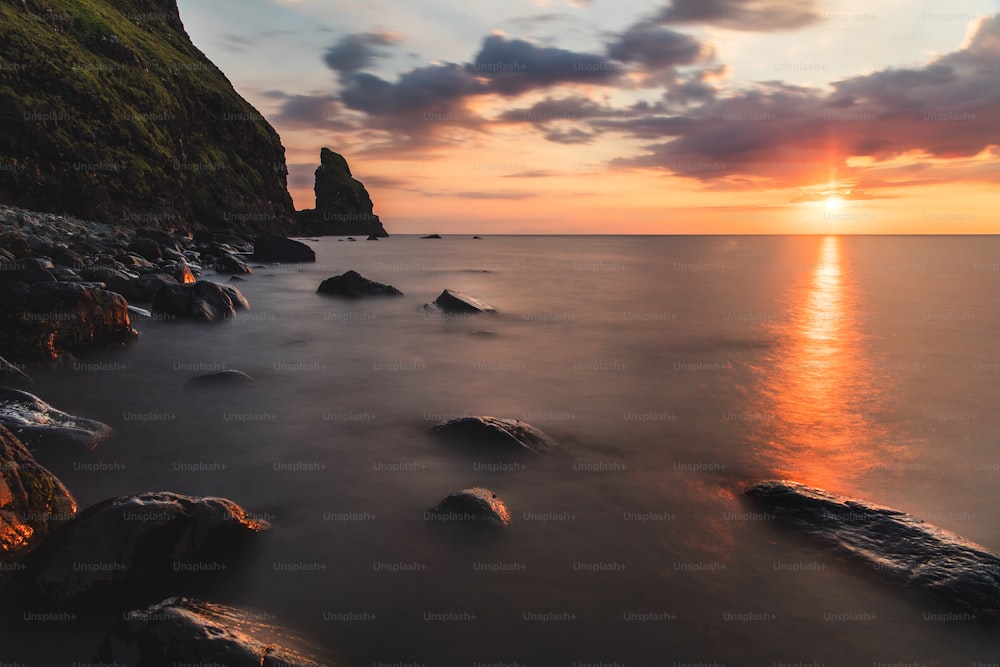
{"x": 514, "y": 66}
{"x": 751, "y": 15}
{"x": 656, "y": 47}
{"x": 357, "y": 51}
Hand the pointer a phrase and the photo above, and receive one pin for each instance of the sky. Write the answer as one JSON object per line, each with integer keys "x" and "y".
{"x": 612, "y": 117}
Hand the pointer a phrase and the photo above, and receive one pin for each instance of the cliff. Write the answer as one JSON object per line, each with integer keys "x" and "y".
{"x": 108, "y": 112}
{"x": 342, "y": 203}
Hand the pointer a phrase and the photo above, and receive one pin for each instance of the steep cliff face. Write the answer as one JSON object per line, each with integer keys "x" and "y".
{"x": 109, "y": 112}
{"x": 342, "y": 202}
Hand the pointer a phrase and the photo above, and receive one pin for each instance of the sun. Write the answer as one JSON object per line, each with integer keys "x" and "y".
{"x": 833, "y": 203}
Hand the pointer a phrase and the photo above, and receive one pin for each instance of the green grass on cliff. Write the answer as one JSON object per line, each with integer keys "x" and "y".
{"x": 106, "y": 104}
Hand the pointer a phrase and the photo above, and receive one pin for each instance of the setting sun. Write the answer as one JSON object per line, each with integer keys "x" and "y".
{"x": 833, "y": 203}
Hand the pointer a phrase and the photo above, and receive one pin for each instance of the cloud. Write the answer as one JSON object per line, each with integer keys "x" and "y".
{"x": 532, "y": 173}
{"x": 750, "y": 15}
{"x": 656, "y": 47}
{"x": 312, "y": 111}
{"x": 847, "y": 195}
{"x": 786, "y": 135}
{"x": 570, "y": 136}
{"x": 516, "y": 66}
{"x": 358, "y": 50}
{"x": 514, "y": 195}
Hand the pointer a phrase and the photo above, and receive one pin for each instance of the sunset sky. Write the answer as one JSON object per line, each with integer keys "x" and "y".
{"x": 659, "y": 117}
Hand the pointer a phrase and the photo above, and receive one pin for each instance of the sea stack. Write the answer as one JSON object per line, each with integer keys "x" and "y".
{"x": 343, "y": 205}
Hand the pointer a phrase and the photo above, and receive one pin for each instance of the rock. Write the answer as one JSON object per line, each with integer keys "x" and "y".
{"x": 431, "y": 236}
{"x": 353, "y": 284}
{"x": 42, "y": 320}
{"x": 204, "y": 300}
{"x": 372, "y": 237}
{"x": 510, "y": 435}
{"x": 29, "y": 275}
{"x": 208, "y": 158}
{"x": 186, "y": 631}
{"x": 146, "y": 248}
{"x": 11, "y": 373}
{"x": 456, "y": 302}
{"x": 38, "y": 424}
{"x": 32, "y": 500}
{"x": 475, "y": 505}
{"x": 343, "y": 205}
{"x": 135, "y": 262}
{"x": 478, "y": 237}
{"x": 897, "y": 545}
{"x": 182, "y": 274}
{"x": 225, "y": 377}
{"x": 231, "y": 264}
{"x": 143, "y": 288}
{"x": 135, "y": 548}
{"x": 274, "y": 248}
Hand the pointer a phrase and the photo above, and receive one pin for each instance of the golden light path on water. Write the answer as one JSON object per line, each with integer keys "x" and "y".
{"x": 820, "y": 394}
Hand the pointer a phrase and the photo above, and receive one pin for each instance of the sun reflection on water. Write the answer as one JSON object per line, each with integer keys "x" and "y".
{"x": 819, "y": 388}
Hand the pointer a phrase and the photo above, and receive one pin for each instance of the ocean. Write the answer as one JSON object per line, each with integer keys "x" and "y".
{"x": 673, "y": 370}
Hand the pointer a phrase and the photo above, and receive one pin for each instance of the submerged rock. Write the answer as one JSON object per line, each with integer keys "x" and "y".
{"x": 274, "y": 248}
{"x": 134, "y": 547}
{"x": 431, "y": 236}
{"x": 899, "y": 546}
{"x": 353, "y": 284}
{"x": 36, "y": 423}
{"x": 231, "y": 264}
{"x": 32, "y": 499}
{"x": 227, "y": 377}
{"x": 474, "y": 505}
{"x": 503, "y": 434}
{"x": 184, "y": 631}
{"x": 456, "y": 302}
{"x": 204, "y": 300}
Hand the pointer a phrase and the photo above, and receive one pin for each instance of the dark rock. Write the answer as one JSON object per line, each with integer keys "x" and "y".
{"x": 185, "y": 631}
{"x": 133, "y": 261}
{"x": 274, "y": 248}
{"x": 30, "y": 276}
{"x": 231, "y": 264}
{"x": 12, "y": 373}
{"x": 203, "y": 300}
{"x": 478, "y": 237}
{"x": 372, "y": 237}
{"x": 353, "y": 284}
{"x": 42, "y": 320}
{"x": 65, "y": 274}
{"x": 900, "y": 546}
{"x": 39, "y": 263}
{"x": 182, "y": 274}
{"x": 210, "y": 158}
{"x": 103, "y": 274}
{"x": 143, "y": 288}
{"x": 164, "y": 240}
{"x": 68, "y": 258}
{"x": 351, "y": 238}
{"x": 146, "y": 248}
{"x": 431, "y": 236}
{"x": 148, "y": 543}
{"x": 475, "y": 505}
{"x": 456, "y": 302}
{"x": 38, "y": 424}
{"x": 32, "y": 500}
{"x": 510, "y": 435}
{"x": 227, "y": 377}
{"x": 343, "y": 205}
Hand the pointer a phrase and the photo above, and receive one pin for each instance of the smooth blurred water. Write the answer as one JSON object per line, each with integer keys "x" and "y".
{"x": 674, "y": 370}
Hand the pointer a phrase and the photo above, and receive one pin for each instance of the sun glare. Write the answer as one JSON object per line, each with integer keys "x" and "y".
{"x": 833, "y": 203}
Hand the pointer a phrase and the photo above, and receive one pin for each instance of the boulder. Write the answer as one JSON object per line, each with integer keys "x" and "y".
{"x": 143, "y": 288}
{"x": 186, "y": 631}
{"x": 474, "y": 505}
{"x": 274, "y": 248}
{"x": 431, "y": 236}
{"x": 204, "y": 300}
{"x": 353, "y": 284}
{"x": 899, "y": 546}
{"x": 182, "y": 274}
{"x": 42, "y": 320}
{"x": 146, "y": 248}
{"x": 38, "y": 424}
{"x": 135, "y": 548}
{"x": 456, "y": 302}
{"x": 231, "y": 264}
{"x": 229, "y": 377}
{"x": 504, "y": 435}
{"x": 32, "y": 499}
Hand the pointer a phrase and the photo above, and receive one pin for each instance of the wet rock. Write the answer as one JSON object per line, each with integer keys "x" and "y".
{"x": 456, "y": 302}
{"x": 146, "y": 248}
{"x": 231, "y": 264}
{"x": 185, "y": 631}
{"x": 353, "y": 284}
{"x": 204, "y": 300}
{"x": 134, "y": 548}
{"x": 511, "y": 435}
{"x": 274, "y": 248}
{"x": 134, "y": 261}
{"x": 42, "y": 320}
{"x": 474, "y": 505}
{"x": 964, "y": 575}
{"x": 228, "y": 377}
{"x": 38, "y": 424}
{"x": 372, "y": 237}
{"x": 143, "y": 288}
{"x": 431, "y": 236}
{"x": 182, "y": 274}
{"x": 32, "y": 499}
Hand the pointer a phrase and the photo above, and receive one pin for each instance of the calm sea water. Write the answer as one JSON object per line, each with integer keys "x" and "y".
{"x": 674, "y": 370}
